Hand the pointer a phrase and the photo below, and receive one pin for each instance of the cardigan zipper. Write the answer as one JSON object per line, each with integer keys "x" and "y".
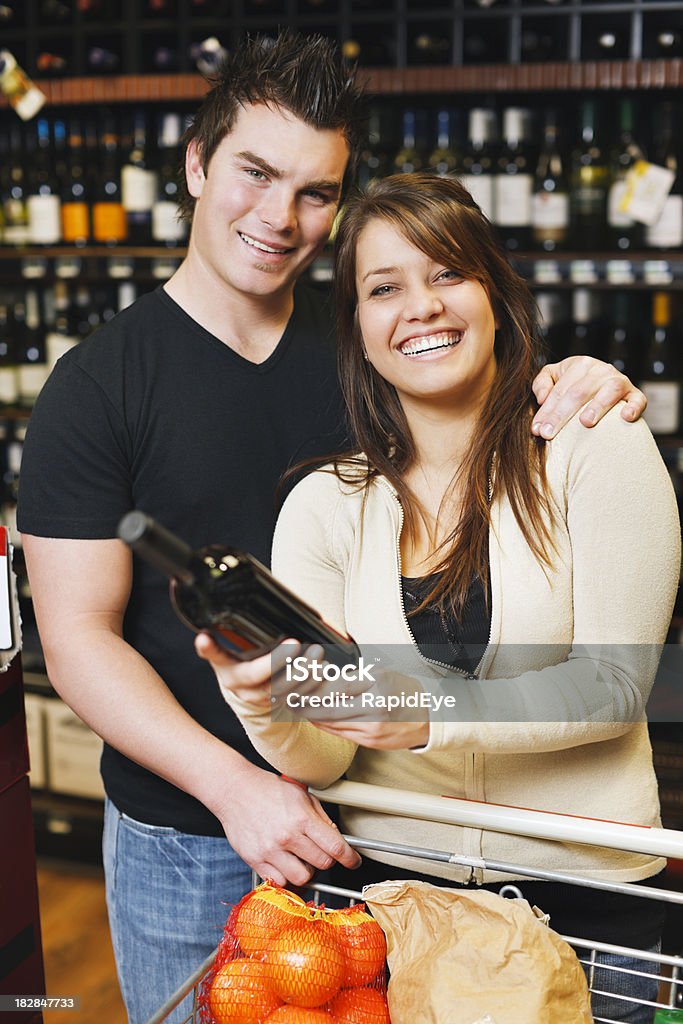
{"x": 429, "y": 661}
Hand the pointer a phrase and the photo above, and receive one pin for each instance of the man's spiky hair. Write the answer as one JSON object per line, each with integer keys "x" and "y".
{"x": 302, "y": 74}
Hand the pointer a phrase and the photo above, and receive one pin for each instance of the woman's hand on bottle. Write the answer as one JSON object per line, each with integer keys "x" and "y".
{"x": 564, "y": 388}
{"x": 249, "y": 681}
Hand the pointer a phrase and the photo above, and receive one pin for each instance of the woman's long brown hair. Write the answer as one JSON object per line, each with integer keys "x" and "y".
{"x": 439, "y": 217}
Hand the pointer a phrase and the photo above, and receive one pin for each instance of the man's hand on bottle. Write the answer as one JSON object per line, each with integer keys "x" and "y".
{"x": 564, "y": 388}
{"x": 276, "y": 826}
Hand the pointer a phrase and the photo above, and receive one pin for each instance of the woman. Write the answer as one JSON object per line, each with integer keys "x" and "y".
{"x": 541, "y": 576}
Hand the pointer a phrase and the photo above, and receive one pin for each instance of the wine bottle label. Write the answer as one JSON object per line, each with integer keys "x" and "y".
{"x": 550, "y": 210}
{"x": 616, "y": 218}
{"x": 667, "y": 230}
{"x": 512, "y": 199}
{"x": 16, "y": 222}
{"x": 31, "y": 377}
{"x": 75, "y": 222}
{"x": 589, "y": 202}
{"x": 44, "y": 219}
{"x": 109, "y": 222}
{"x": 9, "y": 385}
{"x": 663, "y": 405}
{"x": 480, "y": 187}
{"x": 165, "y": 224}
{"x": 138, "y": 189}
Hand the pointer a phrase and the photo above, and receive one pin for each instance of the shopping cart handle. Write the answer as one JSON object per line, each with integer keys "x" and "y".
{"x": 521, "y": 821}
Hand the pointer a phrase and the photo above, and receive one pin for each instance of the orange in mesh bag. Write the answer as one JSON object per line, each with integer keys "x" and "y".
{"x": 456, "y": 956}
{"x": 283, "y": 961}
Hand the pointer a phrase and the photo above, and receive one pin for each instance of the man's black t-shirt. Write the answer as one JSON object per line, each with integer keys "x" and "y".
{"x": 153, "y": 412}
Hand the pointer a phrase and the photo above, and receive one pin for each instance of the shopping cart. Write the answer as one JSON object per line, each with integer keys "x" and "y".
{"x": 516, "y": 821}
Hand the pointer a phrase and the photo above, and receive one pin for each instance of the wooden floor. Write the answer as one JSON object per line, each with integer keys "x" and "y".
{"x": 76, "y": 945}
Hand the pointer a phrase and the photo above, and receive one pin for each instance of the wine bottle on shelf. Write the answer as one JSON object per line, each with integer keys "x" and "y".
{"x": 43, "y": 201}
{"x": 61, "y": 336}
{"x": 589, "y": 181}
{"x": 75, "y": 198}
{"x": 408, "y": 158}
{"x": 374, "y": 159}
{"x": 667, "y": 230}
{"x": 622, "y": 336}
{"x": 230, "y": 595}
{"x": 513, "y": 183}
{"x": 550, "y": 201}
{"x": 24, "y": 96}
{"x": 138, "y": 184}
{"x": 102, "y": 60}
{"x": 623, "y": 233}
{"x": 167, "y": 228}
{"x": 15, "y": 212}
{"x": 477, "y": 161}
{"x": 32, "y": 358}
{"x": 51, "y": 63}
{"x": 9, "y": 389}
{"x": 208, "y": 55}
{"x": 445, "y": 158}
{"x": 585, "y": 336}
{"x": 661, "y": 382}
{"x": 110, "y": 225}
{"x": 554, "y": 325}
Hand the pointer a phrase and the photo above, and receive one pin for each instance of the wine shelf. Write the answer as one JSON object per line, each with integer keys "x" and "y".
{"x": 548, "y": 77}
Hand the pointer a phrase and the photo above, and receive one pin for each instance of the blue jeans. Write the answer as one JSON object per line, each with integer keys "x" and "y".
{"x": 611, "y": 1008}
{"x": 168, "y": 896}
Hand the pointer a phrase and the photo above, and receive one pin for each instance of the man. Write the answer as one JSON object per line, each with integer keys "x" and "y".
{"x": 189, "y": 405}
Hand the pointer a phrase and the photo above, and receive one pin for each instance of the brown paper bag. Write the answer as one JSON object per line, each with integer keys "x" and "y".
{"x": 457, "y": 955}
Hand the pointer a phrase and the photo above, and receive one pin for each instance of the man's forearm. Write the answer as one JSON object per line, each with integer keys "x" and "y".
{"x": 125, "y": 701}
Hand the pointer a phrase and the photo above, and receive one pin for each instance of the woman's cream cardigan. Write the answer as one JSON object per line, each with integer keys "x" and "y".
{"x": 555, "y": 720}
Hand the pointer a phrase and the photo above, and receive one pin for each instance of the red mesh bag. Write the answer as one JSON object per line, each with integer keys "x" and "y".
{"x": 283, "y": 961}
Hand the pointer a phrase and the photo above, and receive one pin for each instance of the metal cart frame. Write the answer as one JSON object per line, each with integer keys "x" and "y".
{"x": 513, "y": 820}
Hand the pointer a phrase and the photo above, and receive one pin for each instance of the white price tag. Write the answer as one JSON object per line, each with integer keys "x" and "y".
{"x": 647, "y": 186}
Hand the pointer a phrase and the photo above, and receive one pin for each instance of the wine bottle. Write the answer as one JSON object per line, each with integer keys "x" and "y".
{"x": 75, "y": 199}
{"x": 138, "y": 184}
{"x": 43, "y": 201}
{"x": 661, "y": 381}
{"x": 444, "y": 158}
{"x": 667, "y": 230}
{"x": 22, "y": 93}
{"x": 230, "y": 595}
{"x": 589, "y": 181}
{"x": 374, "y": 159}
{"x": 15, "y": 212}
{"x": 585, "y": 336}
{"x": 513, "y": 183}
{"x": 102, "y": 60}
{"x": 167, "y": 228}
{"x": 623, "y": 232}
{"x": 32, "y": 358}
{"x": 408, "y": 158}
{"x": 477, "y": 162}
{"x": 9, "y": 389}
{"x": 550, "y": 202}
{"x": 208, "y": 55}
{"x": 622, "y": 338}
{"x": 61, "y": 336}
{"x": 554, "y": 326}
{"x": 110, "y": 225}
